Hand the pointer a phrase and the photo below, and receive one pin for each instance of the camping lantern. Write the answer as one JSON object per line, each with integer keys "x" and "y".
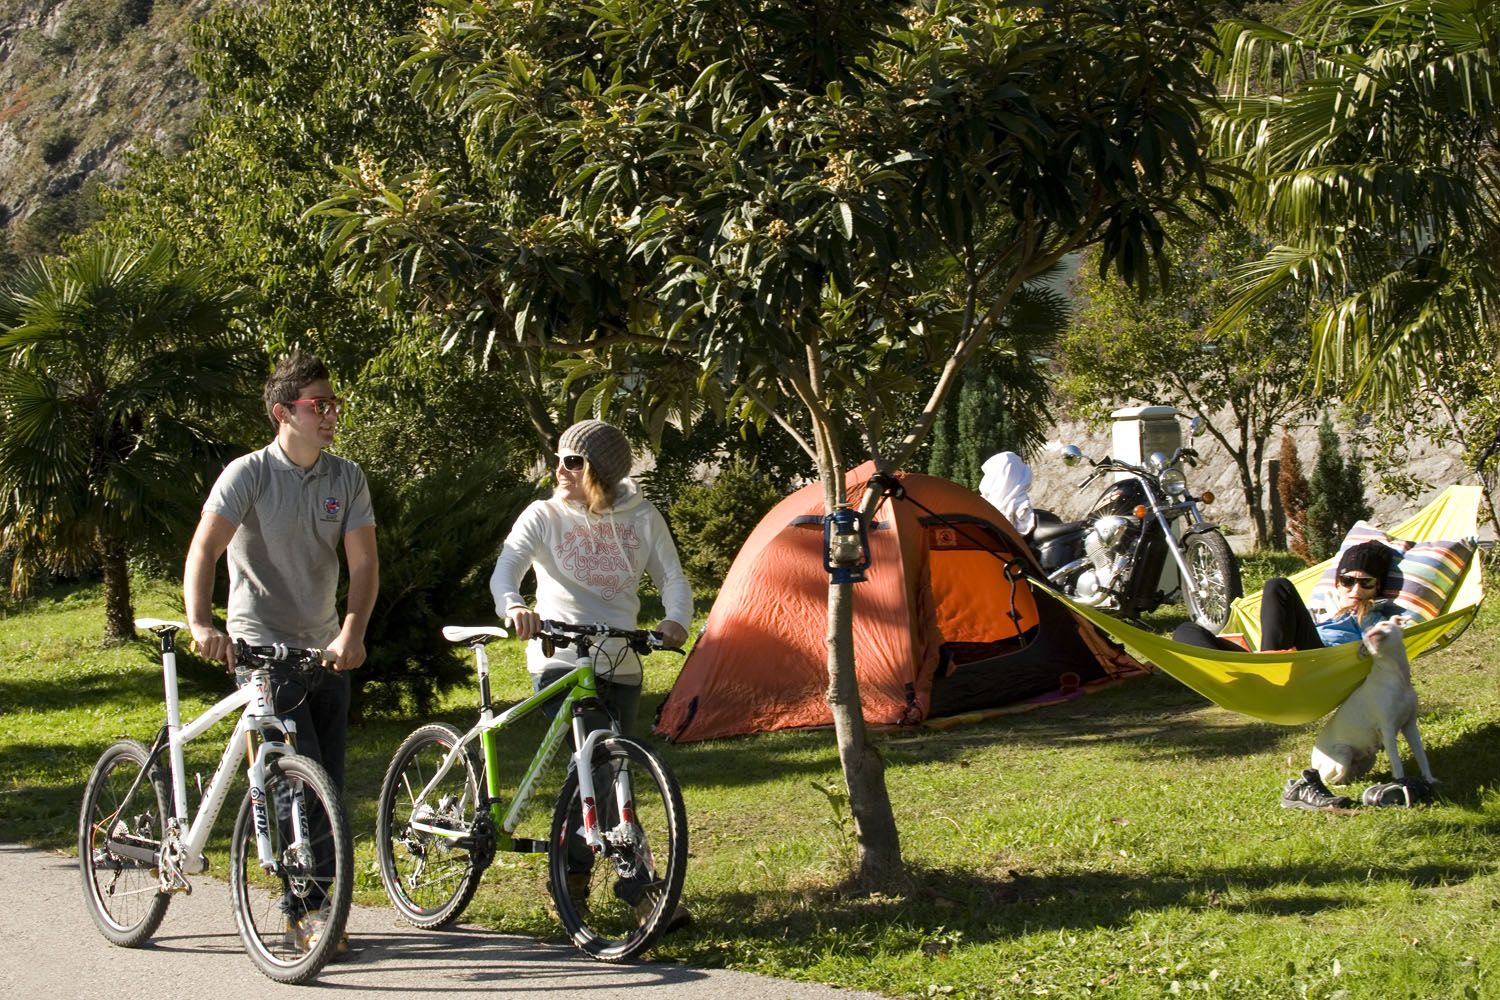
{"x": 846, "y": 545}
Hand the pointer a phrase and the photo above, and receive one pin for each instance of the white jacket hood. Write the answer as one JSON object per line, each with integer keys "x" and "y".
{"x": 1006, "y": 484}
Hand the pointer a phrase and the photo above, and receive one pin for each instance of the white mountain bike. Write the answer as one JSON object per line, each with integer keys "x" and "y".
{"x": 290, "y": 865}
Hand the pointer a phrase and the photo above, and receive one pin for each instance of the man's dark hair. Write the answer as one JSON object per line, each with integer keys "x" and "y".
{"x": 293, "y": 374}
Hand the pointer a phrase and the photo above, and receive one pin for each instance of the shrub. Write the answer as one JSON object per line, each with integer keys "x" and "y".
{"x": 1291, "y": 487}
{"x": 438, "y": 538}
{"x": 57, "y": 147}
{"x": 712, "y": 520}
{"x": 1337, "y": 491}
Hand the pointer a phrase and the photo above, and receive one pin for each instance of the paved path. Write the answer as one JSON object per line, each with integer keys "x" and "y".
{"x": 50, "y": 948}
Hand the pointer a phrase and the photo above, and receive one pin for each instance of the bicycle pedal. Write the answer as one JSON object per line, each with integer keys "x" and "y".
{"x": 525, "y": 845}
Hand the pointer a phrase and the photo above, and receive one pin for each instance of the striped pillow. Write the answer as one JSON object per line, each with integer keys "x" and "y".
{"x": 1429, "y": 574}
{"x": 1422, "y": 574}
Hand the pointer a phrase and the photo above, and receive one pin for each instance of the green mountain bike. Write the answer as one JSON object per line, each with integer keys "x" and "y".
{"x": 618, "y": 843}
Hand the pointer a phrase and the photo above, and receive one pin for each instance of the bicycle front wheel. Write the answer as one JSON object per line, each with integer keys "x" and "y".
{"x": 291, "y": 908}
{"x": 615, "y": 905}
{"x": 432, "y": 851}
{"x": 119, "y": 841}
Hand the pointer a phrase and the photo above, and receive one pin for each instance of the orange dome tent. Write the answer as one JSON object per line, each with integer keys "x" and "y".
{"x": 933, "y": 627}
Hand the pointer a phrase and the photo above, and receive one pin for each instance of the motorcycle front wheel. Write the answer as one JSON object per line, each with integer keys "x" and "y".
{"x": 1215, "y": 579}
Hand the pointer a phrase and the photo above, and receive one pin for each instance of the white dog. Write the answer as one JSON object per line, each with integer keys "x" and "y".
{"x": 1383, "y": 705}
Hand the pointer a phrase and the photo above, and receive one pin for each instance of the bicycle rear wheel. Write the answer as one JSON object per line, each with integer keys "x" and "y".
{"x": 431, "y": 877}
{"x": 614, "y": 906}
{"x": 292, "y": 916}
{"x": 120, "y": 885}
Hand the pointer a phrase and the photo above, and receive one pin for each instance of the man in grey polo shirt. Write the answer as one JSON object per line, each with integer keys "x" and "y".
{"x": 280, "y": 514}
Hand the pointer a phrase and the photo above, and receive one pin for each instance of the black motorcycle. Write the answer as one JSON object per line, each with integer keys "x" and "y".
{"x": 1116, "y": 558}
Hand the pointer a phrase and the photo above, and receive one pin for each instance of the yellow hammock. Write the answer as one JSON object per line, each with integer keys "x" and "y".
{"x": 1295, "y": 687}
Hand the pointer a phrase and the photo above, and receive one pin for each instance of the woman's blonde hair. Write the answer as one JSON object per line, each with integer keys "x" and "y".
{"x": 596, "y": 494}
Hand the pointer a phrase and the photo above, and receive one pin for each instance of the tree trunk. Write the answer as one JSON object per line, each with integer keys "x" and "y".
{"x": 879, "y": 844}
{"x": 1250, "y": 485}
{"x": 119, "y": 616}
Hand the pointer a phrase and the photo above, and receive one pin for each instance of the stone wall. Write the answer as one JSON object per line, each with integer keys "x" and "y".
{"x": 1056, "y": 487}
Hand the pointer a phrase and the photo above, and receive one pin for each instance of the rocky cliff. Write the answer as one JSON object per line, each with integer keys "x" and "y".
{"x": 82, "y": 83}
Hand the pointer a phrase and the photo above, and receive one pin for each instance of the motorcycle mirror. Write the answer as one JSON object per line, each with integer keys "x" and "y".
{"x": 1157, "y": 461}
{"x": 1071, "y": 455}
{"x": 1195, "y": 425}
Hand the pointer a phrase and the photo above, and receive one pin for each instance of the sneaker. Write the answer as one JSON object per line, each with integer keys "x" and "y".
{"x": 1309, "y": 792}
{"x": 304, "y": 932}
{"x": 1401, "y": 792}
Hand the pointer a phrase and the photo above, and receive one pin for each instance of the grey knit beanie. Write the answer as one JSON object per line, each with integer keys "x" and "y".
{"x": 606, "y": 449}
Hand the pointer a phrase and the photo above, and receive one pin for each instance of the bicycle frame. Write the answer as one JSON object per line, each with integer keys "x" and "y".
{"x": 256, "y": 705}
{"x": 576, "y": 685}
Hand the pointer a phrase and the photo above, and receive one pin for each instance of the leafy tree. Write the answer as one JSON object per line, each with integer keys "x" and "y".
{"x": 807, "y": 214}
{"x": 1338, "y": 495}
{"x": 436, "y": 438}
{"x": 1165, "y": 348}
{"x": 1367, "y": 135}
{"x": 291, "y": 86}
{"x": 115, "y": 364}
{"x": 1458, "y": 409}
{"x": 1001, "y": 402}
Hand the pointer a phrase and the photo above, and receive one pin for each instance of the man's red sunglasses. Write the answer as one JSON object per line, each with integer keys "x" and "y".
{"x": 320, "y": 404}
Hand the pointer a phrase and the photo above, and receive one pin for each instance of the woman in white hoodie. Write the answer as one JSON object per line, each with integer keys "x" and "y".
{"x": 590, "y": 543}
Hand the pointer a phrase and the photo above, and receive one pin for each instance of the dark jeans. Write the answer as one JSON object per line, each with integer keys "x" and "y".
{"x": 1285, "y": 623}
{"x": 320, "y": 708}
{"x": 623, "y": 702}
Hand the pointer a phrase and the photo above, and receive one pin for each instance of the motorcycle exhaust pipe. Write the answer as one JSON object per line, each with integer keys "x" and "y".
{"x": 1057, "y": 576}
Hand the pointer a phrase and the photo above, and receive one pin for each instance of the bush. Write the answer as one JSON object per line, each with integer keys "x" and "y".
{"x": 438, "y": 539}
{"x": 1337, "y": 489}
{"x": 1292, "y": 488}
{"x": 58, "y": 147}
{"x": 711, "y": 521}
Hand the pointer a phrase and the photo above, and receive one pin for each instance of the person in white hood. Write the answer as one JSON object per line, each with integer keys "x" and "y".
{"x": 590, "y": 543}
{"x": 1006, "y": 484}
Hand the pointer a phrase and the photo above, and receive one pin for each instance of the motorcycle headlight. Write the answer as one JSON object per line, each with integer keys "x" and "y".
{"x": 1174, "y": 482}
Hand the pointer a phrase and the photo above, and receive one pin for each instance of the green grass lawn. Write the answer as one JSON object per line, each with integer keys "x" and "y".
{"x": 1127, "y": 844}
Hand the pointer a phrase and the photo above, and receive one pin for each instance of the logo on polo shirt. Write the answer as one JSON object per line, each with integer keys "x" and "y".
{"x": 331, "y": 508}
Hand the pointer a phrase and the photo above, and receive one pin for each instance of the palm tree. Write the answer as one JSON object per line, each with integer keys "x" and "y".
{"x": 1368, "y": 139}
{"x": 112, "y": 363}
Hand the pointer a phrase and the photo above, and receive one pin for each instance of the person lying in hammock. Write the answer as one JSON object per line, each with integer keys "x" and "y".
{"x": 1287, "y": 623}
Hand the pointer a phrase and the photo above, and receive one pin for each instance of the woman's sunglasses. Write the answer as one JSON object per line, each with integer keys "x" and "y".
{"x": 1362, "y": 582}
{"x": 573, "y": 463}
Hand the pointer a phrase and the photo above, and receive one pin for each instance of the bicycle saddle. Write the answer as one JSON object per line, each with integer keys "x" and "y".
{"x": 466, "y": 633}
{"x": 159, "y": 624}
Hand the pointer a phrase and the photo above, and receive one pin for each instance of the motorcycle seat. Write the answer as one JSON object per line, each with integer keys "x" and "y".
{"x": 1045, "y": 531}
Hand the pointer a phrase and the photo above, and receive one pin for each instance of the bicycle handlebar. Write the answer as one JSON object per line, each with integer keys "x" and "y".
{"x": 566, "y": 634}
{"x": 279, "y": 655}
